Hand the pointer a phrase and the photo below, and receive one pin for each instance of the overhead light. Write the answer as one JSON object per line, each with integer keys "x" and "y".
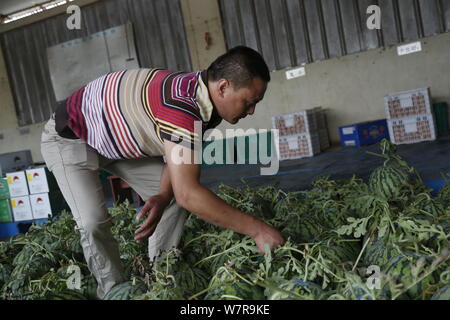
{"x": 33, "y": 10}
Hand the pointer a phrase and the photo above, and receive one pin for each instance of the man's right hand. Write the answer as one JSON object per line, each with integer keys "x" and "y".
{"x": 194, "y": 197}
{"x": 268, "y": 235}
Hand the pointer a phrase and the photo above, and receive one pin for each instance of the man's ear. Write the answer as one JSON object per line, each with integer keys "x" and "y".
{"x": 222, "y": 85}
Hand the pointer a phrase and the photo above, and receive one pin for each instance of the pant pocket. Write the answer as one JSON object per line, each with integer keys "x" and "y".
{"x": 78, "y": 153}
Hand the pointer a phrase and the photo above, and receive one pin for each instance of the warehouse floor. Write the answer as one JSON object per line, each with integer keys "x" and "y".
{"x": 431, "y": 159}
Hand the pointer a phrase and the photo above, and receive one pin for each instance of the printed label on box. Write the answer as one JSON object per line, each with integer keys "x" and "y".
{"x": 350, "y": 143}
{"x": 289, "y": 121}
{"x": 349, "y": 130}
{"x": 40, "y": 204}
{"x": 37, "y": 181}
{"x": 406, "y": 102}
{"x": 21, "y": 208}
{"x": 410, "y": 127}
{"x": 17, "y": 182}
{"x": 293, "y": 144}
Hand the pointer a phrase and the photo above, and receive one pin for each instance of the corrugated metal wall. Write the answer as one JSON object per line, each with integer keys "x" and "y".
{"x": 292, "y": 32}
{"x": 159, "y": 36}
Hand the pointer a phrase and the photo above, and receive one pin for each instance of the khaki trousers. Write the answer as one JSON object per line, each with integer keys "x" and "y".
{"x": 75, "y": 166}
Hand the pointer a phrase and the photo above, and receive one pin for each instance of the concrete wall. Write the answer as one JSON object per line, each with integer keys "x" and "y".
{"x": 351, "y": 88}
{"x": 13, "y": 138}
{"x": 201, "y": 17}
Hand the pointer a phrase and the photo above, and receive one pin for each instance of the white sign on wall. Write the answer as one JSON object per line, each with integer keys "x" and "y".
{"x": 409, "y": 48}
{"x": 74, "y": 63}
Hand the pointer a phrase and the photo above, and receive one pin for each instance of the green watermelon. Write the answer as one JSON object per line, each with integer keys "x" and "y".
{"x": 66, "y": 294}
{"x": 35, "y": 268}
{"x": 430, "y": 206}
{"x": 387, "y": 181}
{"x": 332, "y": 217}
{"x": 235, "y": 291}
{"x": 5, "y": 273}
{"x": 126, "y": 290}
{"x": 302, "y": 229}
{"x": 356, "y": 292}
{"x": 89, "y": 288}
{"x": 379, "y": 254}
{"x": 443, "y": 294}
{"x": 342, "y": 251}
{"x": 192, "y": 280}
{"x": 399, "y": 269}
{"x": 444, "y": 194}
{"x": 301, "y": 290}
{"x": 23, "y": 256}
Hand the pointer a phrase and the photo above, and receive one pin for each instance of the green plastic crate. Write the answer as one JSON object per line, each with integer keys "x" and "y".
{"x": 5, "y": 211}
{"x": 4, "y": 189}
{"x": 441, "y": 115}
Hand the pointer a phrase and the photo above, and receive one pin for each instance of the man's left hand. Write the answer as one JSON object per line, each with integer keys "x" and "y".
{"x": 153, "y": 209}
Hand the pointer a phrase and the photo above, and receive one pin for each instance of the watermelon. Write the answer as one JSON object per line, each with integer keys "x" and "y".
{"x": 432, "y": 207}
{"x": 126, "y": 290}
{"x": 301, "y": 290}
{"x": 24, "y": 256}
{"x": 357, "y": 292}
{"x": 34, "y": 268}
{"x": 443, "y": 294}
{"x": 302, "y": 230}
{"x": 379, "y": 254}
{"x": 387, "y": 181}
{"x": 399, "y": 269}
{"x": 343, "y": 251}
{"x": 332, "y": 217}
{"x": 237, "y": 290}
{"x": 66, "y": 294}
{"x": 89, "y": 288}
{"x": 192, "y": 280}
{"x": 444, "y": 194}
{"x": 5, "y": 273}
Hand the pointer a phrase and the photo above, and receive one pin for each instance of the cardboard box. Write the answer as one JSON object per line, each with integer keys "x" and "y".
{"x": 16, "y": 161}
{"x": 17, "y": 184}
{"x": 363, "y": 134}
{"x": 37, "y": 180}
{"x": 5, "y": 211}
{"x": 40, "y": 204}
{"x": 412, "y": 129}
{"x": 408, "y": 103}
{"x": 4, "y": 189}
{"x": 301, "y": 122}
{"x": 298, "y": 146}
{"x": 21, "y": 208}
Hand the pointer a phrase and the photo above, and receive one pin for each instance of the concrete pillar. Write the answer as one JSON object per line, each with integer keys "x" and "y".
{"x": 8, "y": 117}
{"x": 204, "y": 31}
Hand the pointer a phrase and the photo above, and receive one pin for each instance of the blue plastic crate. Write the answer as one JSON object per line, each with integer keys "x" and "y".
{"x": 363, "y": 134}
{"x": 10, "y": 229}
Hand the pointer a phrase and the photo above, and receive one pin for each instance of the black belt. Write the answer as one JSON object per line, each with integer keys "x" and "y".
{"x": 62, "y": 121}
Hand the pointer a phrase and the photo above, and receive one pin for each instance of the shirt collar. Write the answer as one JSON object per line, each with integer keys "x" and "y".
{"x": 208, "y": 111}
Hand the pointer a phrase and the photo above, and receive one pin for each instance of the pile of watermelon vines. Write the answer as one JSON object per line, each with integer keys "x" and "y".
{"x": 387, "y": 238}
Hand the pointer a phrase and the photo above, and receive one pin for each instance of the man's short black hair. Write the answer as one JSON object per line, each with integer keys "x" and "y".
{"x": 239, "y": 66}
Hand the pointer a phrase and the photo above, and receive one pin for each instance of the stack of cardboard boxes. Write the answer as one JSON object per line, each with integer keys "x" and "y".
{"x": 410, "y": 116}
{"x": 302, "y": 134}
{"x": 24, "y": 196}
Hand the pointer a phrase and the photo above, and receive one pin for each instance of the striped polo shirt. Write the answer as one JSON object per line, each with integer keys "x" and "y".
{"x": 128, "y": 114}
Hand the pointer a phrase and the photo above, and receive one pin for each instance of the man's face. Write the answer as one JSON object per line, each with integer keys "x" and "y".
{"x": 234, "y": 105}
